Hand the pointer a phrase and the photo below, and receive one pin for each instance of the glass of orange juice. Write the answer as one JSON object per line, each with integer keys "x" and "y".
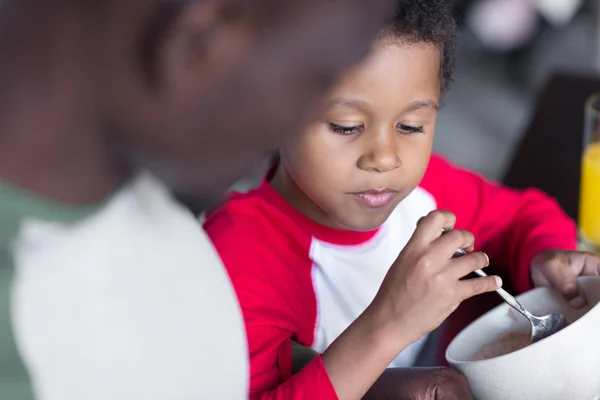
{"x": 589, "y": 200}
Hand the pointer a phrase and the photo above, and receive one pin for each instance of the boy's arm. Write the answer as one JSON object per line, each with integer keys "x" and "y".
{"x": 271, "y": 376}
{"x": 277, "y": 308}
{"x": 403, "y": 383}
{"x": 265, "y": 290}
{"x": 275, "y": 303}
{"x": 511, "y": 226}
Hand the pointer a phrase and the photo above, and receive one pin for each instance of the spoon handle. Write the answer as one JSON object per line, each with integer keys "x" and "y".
{"x": 508, "y": 298}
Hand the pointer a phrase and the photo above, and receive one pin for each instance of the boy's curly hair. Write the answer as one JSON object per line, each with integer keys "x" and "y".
{"x": 431, "y": 21}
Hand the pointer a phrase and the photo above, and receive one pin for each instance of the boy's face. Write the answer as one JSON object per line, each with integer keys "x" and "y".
{"x": 231, "y": 77}
{"x": 373, "y": 144}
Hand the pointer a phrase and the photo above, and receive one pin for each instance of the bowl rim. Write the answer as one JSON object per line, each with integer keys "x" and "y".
{"x": 562, "y": 332}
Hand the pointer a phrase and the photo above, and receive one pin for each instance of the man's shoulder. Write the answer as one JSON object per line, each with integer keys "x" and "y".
{"x": 141, "y": 263}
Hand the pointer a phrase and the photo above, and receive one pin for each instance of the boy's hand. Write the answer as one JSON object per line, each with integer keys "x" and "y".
{"x": 421, "y": 289}
{"x": 560, "y": 269}
{"x": 423, "y": 286}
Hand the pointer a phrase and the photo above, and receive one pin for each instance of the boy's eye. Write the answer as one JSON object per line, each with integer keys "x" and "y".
{"x": 410, "y": 129}
{"x": 345, "y": 130}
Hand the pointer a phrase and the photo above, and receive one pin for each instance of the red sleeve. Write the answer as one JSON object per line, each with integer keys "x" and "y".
{"x": 511, "y": 226}
{"x": 277, "y": 302}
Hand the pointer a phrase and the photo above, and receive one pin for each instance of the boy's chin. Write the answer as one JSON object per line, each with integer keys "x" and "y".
{"x": 364, "y": 223}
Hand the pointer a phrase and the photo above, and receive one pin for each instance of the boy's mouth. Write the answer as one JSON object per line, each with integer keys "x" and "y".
{"x": 375, "y": 198}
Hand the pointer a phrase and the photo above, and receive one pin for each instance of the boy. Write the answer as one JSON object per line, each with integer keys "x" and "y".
{"x": 325, "y": 252}
{"x": 108, "y": 288}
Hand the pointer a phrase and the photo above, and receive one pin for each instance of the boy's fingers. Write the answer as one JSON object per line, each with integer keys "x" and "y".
{"x": 463, "y": 266}
{"x": 453, "y": 240}
{"x": 433, "y": 225}
{"x": 476, "y": 286}
{"x": 562, "y": 277}
{"x": 586, "y": 264}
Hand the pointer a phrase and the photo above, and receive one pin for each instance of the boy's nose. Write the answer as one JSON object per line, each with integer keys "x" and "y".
{"x": 382, "y": 155}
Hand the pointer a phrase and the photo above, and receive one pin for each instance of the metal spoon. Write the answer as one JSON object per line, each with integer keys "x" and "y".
{"x": 541, "y": 327}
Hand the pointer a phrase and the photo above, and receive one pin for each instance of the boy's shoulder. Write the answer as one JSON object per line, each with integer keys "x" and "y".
{"x": 442, "y": 177}
{"x": 240, "y": 213}
{"x": 254, "y": 226}
{"x": 441, "y": 167}
{"x": 438, "y": 164}
{"x": 258, "y": 241}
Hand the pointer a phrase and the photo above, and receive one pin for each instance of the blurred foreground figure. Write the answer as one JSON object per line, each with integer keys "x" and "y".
{"x": 108, "y": 288}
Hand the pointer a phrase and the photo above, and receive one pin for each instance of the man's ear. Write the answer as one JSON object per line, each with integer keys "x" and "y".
{"x": 203, "y": 40}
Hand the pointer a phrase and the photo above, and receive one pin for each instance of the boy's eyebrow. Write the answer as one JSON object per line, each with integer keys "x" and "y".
{"x": 419, "y": 104}
{"x": 358, "y": 104}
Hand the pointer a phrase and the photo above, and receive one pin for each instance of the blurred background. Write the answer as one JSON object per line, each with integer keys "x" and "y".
{"x": 509, "y": 50}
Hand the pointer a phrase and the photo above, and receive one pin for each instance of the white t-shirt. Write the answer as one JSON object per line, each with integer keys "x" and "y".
{"x": 130, "y": 303}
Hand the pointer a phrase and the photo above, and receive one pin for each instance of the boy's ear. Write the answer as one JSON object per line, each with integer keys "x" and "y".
{"x": 203, "y": 41}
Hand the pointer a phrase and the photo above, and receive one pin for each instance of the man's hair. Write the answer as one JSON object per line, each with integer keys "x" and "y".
{"x": 430, "y": 21}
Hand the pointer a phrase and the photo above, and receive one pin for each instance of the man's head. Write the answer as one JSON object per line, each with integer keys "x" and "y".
{"x": 373, "y": 143}
{"x": 195, "y": 90}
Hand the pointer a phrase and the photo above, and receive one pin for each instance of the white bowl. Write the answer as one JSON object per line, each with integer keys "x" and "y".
{"x": 565, "y": 366}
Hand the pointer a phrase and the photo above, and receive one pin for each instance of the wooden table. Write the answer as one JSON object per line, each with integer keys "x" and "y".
{"x": 547, "y": 158}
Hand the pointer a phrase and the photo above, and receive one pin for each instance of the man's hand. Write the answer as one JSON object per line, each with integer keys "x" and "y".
{"x": 420, "y": 384}
{"x": 560, "y": 269}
